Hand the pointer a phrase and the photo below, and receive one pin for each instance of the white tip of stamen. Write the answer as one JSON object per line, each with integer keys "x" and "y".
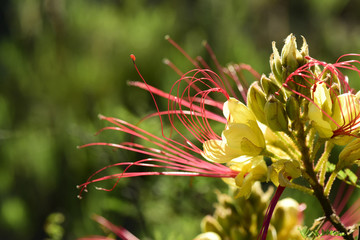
{"x": 166, "y": 61}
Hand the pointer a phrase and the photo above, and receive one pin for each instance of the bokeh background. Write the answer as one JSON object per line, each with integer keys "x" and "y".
{"x": 62, "y": 62}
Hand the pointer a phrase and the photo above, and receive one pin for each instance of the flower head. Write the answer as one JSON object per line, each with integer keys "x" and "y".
{"x": 188, "y": 103}
{"x": 272, "y": 136}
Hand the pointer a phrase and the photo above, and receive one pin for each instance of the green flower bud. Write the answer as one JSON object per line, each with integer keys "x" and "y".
{"x": 290, "y": 54}
{"x": 265, "y": 84}
{"x": 303, "y": 52}
{"x": 292, "y": 108}
{"x": 270, "y": 87}
{"x": 304, "y": 48}
{"x": 276, "y": 117}
{"x": 256, "y": 101}
{"x": 275, "y": 63}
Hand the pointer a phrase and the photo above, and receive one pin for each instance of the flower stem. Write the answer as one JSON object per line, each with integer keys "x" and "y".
{"x": 329, "y": 212}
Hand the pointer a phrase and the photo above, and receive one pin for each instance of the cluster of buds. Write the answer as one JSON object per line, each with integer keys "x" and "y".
{"x": 237, "y": 218}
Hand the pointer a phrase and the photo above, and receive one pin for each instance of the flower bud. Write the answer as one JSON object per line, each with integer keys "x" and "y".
{"x": 256, "y": 101}
{"x": 275, "y": 63}
{"x": 291, "y": 58}
{"x": 290, "y": 53}
{"x": 270, "y": 87}
{"x": 268, "y": 84}
{"x": 292, "y": 108}
{"x": 286, "y": 217}
{"x": 208, "y": 236}
{"x": 303, "y": 52}
{"x": 276, "y": 117}
{"x": 209, "y": 224}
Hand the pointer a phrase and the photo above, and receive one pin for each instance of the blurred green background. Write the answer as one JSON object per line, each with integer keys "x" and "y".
{"x": 62, "y": 62}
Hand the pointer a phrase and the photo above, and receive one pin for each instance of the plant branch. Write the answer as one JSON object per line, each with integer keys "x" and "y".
{"x": 329, "y": 212}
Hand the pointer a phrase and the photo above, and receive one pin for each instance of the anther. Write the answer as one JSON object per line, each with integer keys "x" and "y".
{"x": 133, "y": 57}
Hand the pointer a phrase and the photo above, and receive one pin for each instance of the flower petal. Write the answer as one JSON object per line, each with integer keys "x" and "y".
{"x": 236, "y": 112}
{"x": 322, "y": 126}
{"x": 214, "y": 150}
{"x": 242, "y": 139}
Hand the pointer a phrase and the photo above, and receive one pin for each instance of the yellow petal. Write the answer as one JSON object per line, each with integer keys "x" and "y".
{"x": 346, "y": 109}
{"x": 236, "y": 112}
{"x": 243, "y": 139}
{"x": 349, "y": 155}
{"x": 214, "y": 150}
{"x": 237, "y": 164}
{"x": 251, "y": 171}
{"x": 342, "y": 140}
{"x": 322, "y": 126}
{"x": 285, "y": 168}
{"x": 322, "y": 98}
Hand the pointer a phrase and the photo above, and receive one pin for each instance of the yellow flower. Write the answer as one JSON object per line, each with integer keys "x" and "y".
{"x": 251, "y": 169}
{"x": 282, "y": 169}
{"x": 336, "y": 118}
{"x": 242, "y": 135}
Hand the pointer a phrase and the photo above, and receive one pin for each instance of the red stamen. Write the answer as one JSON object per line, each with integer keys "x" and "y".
{"x": 269, "y": 212}
{"x": 188, "y": 102}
